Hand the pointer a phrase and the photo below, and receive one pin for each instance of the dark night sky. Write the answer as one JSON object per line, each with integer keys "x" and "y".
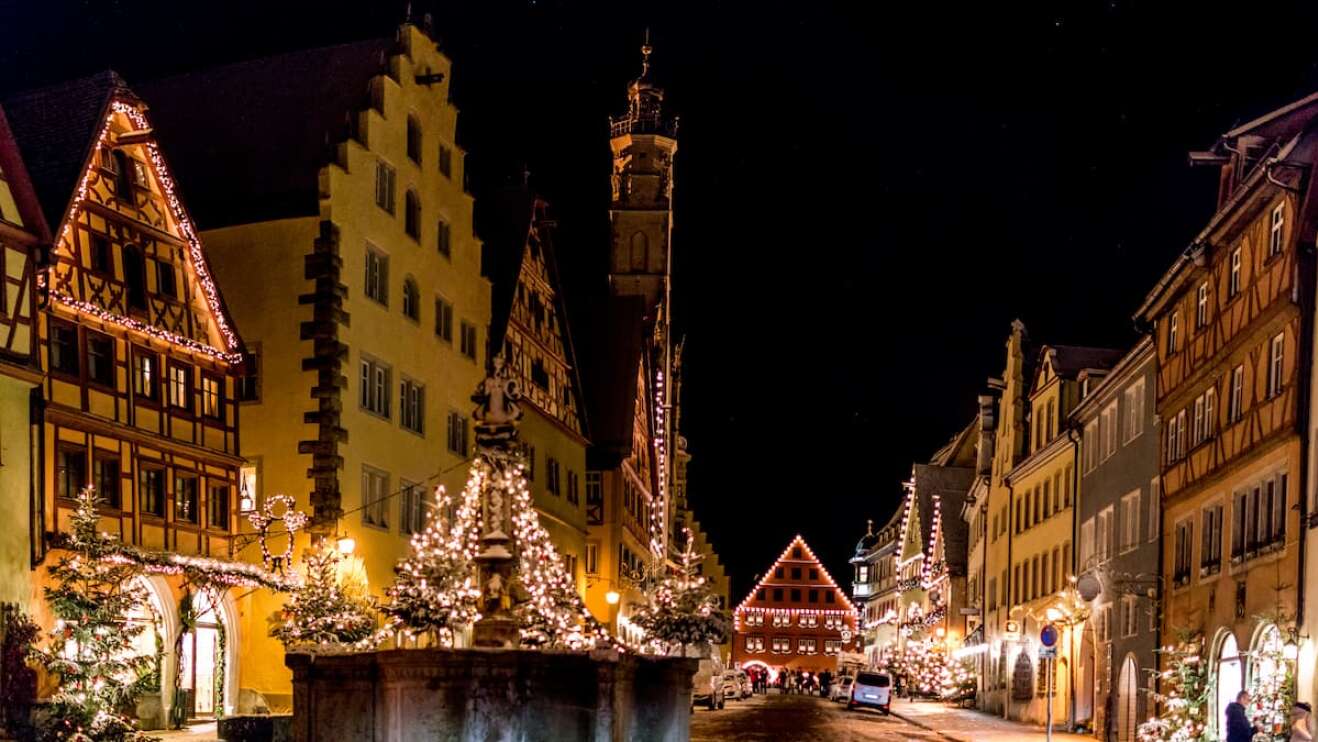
{"x": 864, "y": 202}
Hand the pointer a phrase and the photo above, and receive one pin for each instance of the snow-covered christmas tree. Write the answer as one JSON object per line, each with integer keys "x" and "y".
{"x": 1183, "y": 692}
{"x": 1272, "y": 689}
{"x": 682, "y": 609}
{"x": 90, "y": 648}
{"x": 320, "y": 614}
{"x": 435, "y": 589}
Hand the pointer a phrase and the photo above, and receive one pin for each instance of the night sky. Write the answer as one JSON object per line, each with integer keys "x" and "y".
{"x": 863, "y": 203}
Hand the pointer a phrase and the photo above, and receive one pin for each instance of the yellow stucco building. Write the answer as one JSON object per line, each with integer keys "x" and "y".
{"x": 331, "y": 189}
{"x": 1029, "y": 555}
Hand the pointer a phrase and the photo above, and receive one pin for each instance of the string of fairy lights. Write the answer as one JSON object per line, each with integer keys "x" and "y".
{"x": 232, "y": 352}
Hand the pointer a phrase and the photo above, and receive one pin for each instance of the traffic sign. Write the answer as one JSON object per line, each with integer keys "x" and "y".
{"x": 1048, "y": 636}
{"x": 1045, "y": 652}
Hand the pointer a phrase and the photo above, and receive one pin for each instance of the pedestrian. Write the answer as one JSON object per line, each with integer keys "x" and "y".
{"x": 1300, "y": 714}
{"x": 1238, "y": 728}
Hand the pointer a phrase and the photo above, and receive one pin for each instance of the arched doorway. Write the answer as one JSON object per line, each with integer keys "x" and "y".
{"x": 205, "y": 672}
{"x": 1230, "y": 676}
{"x": 1128, "y": 688}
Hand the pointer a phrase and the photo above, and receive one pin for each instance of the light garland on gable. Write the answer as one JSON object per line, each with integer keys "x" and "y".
{"x": 797, "y": 540}
{"x": 232, "y": 351}
{"x": 658, "y": 513}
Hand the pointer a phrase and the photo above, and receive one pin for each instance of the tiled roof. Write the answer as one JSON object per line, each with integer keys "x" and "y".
{"x": 1069, "y": 360}
{"x": 54, "y": 128}
{"x": 246, "y": 141}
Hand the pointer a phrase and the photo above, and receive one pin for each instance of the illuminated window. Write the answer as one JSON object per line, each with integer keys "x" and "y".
{"x": 146, "y": 374}
{"x": 247, "y": 492}
{"x": 185, "y": 499}
{"x": 1275, "y": 233}
{"x": 212, "y": 397}
{"x": 180, "y": 385}
{"x": 1233, "y": 281}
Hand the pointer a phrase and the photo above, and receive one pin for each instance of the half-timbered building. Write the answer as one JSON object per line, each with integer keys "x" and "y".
{"x": 529, "y": 326}
{"x": 140, "y": 355}
{"x": 796, "y": 617}
{"x": 23, "y": 229}
{"x": 333, "y": 196}
{"x": 1233, "y": 352}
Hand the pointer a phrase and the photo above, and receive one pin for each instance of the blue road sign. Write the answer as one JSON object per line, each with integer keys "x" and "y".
{"x": 1048, "y": 635}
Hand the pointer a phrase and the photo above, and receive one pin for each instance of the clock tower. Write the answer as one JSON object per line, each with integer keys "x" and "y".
{"x": 644, "y": 141}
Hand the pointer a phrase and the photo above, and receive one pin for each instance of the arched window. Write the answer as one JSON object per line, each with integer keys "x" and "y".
{"x": 414, "y": 139}
{"x": 411, "y": 299}
{"x": 134, "y": 277}
{"x": 640, "y": 252}
{"x": 412, "y": 215}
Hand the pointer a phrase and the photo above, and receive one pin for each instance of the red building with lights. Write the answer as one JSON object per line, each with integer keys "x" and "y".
{"x": 796, "y": 617}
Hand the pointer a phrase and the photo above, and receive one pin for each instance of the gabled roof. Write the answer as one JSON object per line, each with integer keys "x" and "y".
{"x": 810, "y": 558}
{"x": 248, "y": 140}
{"x": 505, "y": 220}
{"x": 55, "y": 128}
{"x": 1070, "y": 360}
{"x": 1286, "y": 121}
{"x": 20, "y": 184}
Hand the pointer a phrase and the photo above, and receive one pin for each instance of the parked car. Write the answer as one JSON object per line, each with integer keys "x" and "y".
{"x": 732, "y": 685}
{"x": 873, "y": 689}
{"x": 707, "y": 684}
{"x": 747, "y": 690}
{"x": 841, "y": 689}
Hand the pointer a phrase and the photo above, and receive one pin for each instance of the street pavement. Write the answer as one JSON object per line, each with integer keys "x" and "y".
{"x": 963, "y": 725}
{"x": 792, "y": 718}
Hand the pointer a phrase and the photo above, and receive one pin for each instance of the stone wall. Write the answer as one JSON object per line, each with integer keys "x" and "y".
{"x": 490, "y": 695}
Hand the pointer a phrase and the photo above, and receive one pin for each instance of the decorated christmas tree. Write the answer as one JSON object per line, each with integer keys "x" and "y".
{"x": 527, "y": 596}
{"x": 682, "y": 609}
{"x": 959, "y": 679}
{"x": 1182, "y": 697}
{"x": 924, "y": 665}
{"x": 435, "y": 590}
{"x": 320, "y": 613}
{"x": 1271, "y": 690}
{"x": 90, "y": 648}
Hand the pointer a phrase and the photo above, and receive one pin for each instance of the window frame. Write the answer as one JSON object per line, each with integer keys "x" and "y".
{"x": 171, "y": 367}
{"x": 144, "y": 493}
{"x": 375, "y": 387}
{"x": 412, "y": 405}
{"x": 89, "y": 338}
{"x": 375, "y": 278}
{"x": 178, "y": 499}
{"x": 386, "y": 186}
{"x": 146, "y": 390}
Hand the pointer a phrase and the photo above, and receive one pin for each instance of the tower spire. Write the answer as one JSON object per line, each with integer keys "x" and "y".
{"x": 646, "y": 50}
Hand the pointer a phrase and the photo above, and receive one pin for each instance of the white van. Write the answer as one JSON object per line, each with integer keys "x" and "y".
{"x": 707, "y": 684}
{"x": 873, "y": 689}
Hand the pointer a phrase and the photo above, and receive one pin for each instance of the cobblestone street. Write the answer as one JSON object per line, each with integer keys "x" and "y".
{"x": 790, "y": 718}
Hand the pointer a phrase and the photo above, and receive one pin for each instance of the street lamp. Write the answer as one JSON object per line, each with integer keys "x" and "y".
{"x": 612, "y": 597}
{"x": 347, "y": 545}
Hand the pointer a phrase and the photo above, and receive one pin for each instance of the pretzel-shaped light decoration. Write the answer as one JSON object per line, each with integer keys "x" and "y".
{"x": 292, "y": 519}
